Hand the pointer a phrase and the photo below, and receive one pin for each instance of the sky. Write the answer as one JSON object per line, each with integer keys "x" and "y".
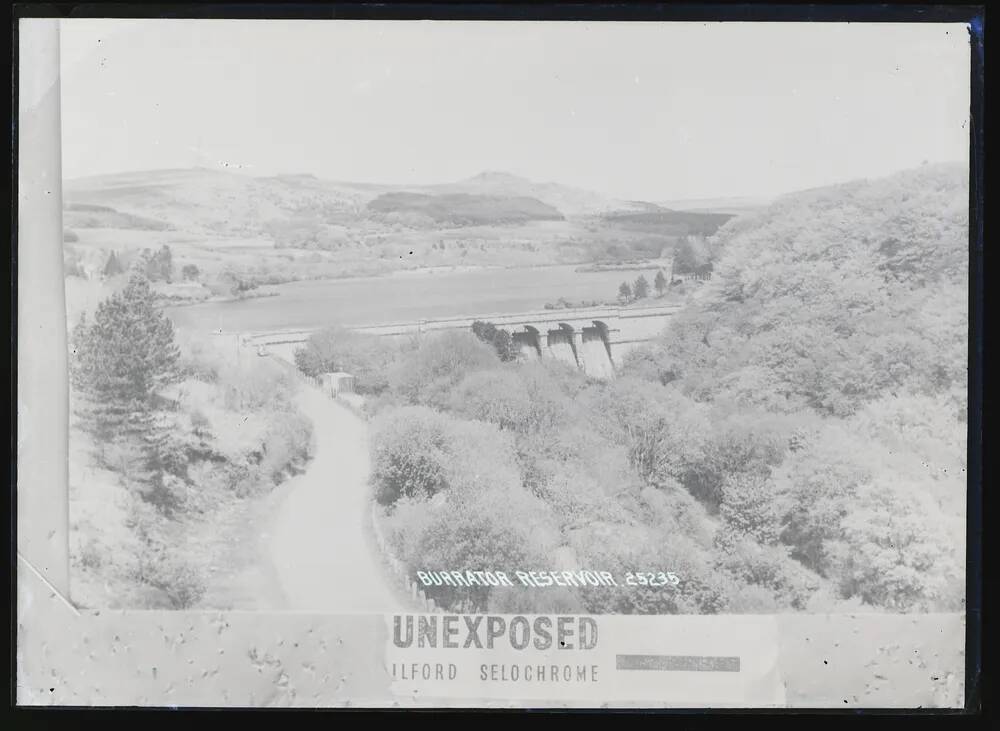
{"x": 645, "y": 111}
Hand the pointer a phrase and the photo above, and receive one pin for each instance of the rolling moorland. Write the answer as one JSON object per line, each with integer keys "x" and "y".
{"x": 231, "y": 235}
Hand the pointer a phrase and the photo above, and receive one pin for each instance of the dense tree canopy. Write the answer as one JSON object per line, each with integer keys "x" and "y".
{"x": 793, "y": 441}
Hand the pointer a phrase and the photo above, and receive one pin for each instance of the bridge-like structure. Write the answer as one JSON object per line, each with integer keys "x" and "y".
{"x": 594, "y": 339}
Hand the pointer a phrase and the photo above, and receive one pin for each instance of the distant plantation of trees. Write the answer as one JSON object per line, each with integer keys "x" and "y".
{"x": 159, "y": 265}
{"x": 692, "y": 256}
{"x": 462, "y": 209}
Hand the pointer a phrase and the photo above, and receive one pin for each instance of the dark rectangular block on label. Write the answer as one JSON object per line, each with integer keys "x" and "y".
{"x": 678, "y": 662}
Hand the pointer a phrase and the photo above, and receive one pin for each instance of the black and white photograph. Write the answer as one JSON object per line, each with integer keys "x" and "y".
{"x": 473, "y": 327}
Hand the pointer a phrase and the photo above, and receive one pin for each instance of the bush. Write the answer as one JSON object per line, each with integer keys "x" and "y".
{"x": 770, "y": 568}
{"x": 649, "y": 362}
{"x": 202, "y": 358}
{"x": 821, "y": 481}
{"x": 523, "y": 399}
{"x": 167, "y": 492}
{"x": 418, "y": 452}
{"x": 496, "y": 396}
{"x": 577, "y": 498}
{"x": 409, "y": 454}
{"x": 739, "y": 446}
{"x": 480, "y": 458}
{"x": 620, "y": 550}
{"x": 440, "y": 362}
{"x": 665, "y": 433}
{"x": 673, "y": 510}
{"x": 497, "y": 338}
{"x": 238, "y": 283}
{"x": 255, "y": 385}
{"x": 241, "y": 476}
{"x": 891, "y": 556}
{"x": 157, "y": 563}
{"x": 752, "y": 508}
{"x": 91, "y": 554}
{"x": 286, "y": 446}
{"x": 181, "y": 581}
{"x": 478, "y": 529}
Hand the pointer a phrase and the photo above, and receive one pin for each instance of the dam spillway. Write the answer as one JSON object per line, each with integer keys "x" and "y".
{"x": 596, "y": 353}
{"x": 561, "y": 347}
{"x": 527, "y": 342}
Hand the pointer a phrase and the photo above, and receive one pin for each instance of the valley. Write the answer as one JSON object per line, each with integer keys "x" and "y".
{"x": 231, "y": 236}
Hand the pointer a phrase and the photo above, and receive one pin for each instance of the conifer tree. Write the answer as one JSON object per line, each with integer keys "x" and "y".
{"x": 160, "y": 266}
{"x": 660, "y": 282}
{"x": 625, "y": 292}
{"x": 130, "y": 346}
{"x": 120, "y": 361}
{"x": 113, "y": 266}
{"x": 640, "y": 289}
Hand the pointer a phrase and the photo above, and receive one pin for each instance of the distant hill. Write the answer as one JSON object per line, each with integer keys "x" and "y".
{"x": 732, "y": 206}
{"x": 232, "y": 202}
{"x": 234, "y": 195}
{"x": 667, "y": 220}
{"x": 568, "y": 200}
{"x": 89, "y": 215}
{"x": 494, "y": 219}
{"x": 463, "y": 209}
{"x": 199, "y": 200}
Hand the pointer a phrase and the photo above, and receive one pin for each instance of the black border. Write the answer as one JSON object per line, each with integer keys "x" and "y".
{"x": 972, "y": 15}
{"x": 858, "y": 12}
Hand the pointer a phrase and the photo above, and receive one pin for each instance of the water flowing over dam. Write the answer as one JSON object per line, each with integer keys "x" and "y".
{"x": 596, "y": 354}
{"x": 593, "y": 339}
{"x": 561, "y": 346}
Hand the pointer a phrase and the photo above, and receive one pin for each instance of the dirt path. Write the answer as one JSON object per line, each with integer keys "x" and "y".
{"x": 321, "y": 547}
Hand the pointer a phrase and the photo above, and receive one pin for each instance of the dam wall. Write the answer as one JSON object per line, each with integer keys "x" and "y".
{"x": 595, "y": 339}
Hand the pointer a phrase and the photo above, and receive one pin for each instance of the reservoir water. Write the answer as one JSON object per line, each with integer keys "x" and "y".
{"x": 405, "y": 297}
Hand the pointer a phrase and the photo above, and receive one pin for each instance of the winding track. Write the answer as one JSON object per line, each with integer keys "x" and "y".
{"x": 321, "y": 547}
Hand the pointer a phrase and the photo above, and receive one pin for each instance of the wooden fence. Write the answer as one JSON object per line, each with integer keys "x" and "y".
{"x": 398, "y": 568}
